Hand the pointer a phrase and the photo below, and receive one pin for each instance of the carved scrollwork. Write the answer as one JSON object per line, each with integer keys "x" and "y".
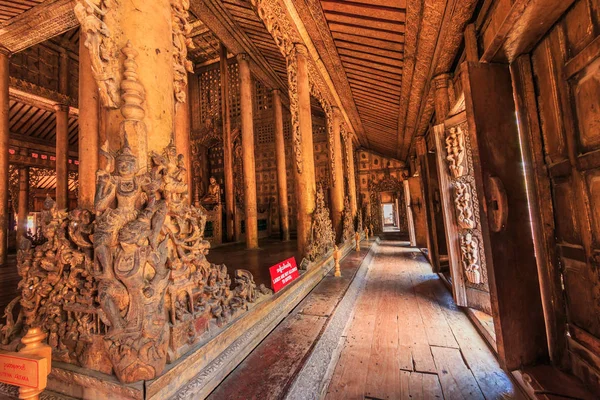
{"x": 464, "y": 205}
{"x": 322, "y": 236}
{"x": 292, "y": 73}
{"x": 277, "y": 23}
{"x": 181, "y": 43}
{"x": 469, "y": 246}
{"x": 455, "y": 151}
{"x": 99, "y": 43}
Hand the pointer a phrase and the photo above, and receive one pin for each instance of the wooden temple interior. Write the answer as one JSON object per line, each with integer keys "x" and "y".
{"x": 428, "y": 170}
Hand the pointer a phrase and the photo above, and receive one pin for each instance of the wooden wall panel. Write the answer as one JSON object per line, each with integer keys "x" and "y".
{"x": 566, "y": 66}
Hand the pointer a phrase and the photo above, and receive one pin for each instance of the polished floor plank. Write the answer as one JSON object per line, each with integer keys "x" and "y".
{"x": 434, "y": 352}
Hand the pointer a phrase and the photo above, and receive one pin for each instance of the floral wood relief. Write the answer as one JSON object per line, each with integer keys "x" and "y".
{"x": 466, "y": 204}
{"x": 181, "y": 43}
{"x": 99, "y": 42}
{"x": 292, "y": 73}
{"x": 455, "y": 149}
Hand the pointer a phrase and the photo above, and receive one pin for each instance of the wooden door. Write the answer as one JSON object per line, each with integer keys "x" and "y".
{"x": 435, "y": 217}
{"x": 486, "y": 209}
{"x": 566, "y": 76}
{"x": 462, "y": 211}
{"x": 418, "y": 211}
{"x": 409, "y": 215}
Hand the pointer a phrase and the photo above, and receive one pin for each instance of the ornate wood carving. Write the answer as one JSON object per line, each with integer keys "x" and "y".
{"x": 322, "y": 236}
{"x": 181, "y": 43}
{"x": 23, "y": 91}
{"x": 99, "y": 43}
{"x": 319, "y": 94}
{"x": 292, "y": 73}
{"x": 131, "y": 290}
{"x": 469, "y": 246}
{"x": 463, "y": 204}
{"x": 455, "y": 149}
{"x": 277, "y": 23}
{"x": 466, "y": 203}
{"x": 348, "y": 222}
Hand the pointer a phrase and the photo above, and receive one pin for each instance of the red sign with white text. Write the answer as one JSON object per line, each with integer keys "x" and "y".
{"x": 283, "y": 274}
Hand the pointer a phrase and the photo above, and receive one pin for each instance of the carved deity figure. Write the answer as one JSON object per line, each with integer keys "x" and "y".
{"x": 348, "y": 222}
{"x": 130, "y": 216}
{"x": 213, "y": 194}
{"x": 455, "y": 149}
{"x": 464, "y": 205}
{"x": 469, "y": 246}
{"x": 322, "y": 236}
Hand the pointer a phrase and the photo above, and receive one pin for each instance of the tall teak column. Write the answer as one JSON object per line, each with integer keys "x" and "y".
{"x": 23, "y": 211}
{"x": 248, "y": 161}
{"x": 88, "y": 128}
{"x": 351, "y": 177}
{"x": 146, "y": 28}
{"x": 284, "y": 217}
{"x": 62, "y": 155}
{"x": 227, "y": 147}
{"x": 304, "y": 164}
{"x": 337, "y": 190}
{"x": 4, "y": 132}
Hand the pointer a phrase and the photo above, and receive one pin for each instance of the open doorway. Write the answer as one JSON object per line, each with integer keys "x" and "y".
{"x": 390, "y": 217}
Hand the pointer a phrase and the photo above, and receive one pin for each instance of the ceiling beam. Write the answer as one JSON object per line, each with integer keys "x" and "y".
{"x": 38, "y": 24}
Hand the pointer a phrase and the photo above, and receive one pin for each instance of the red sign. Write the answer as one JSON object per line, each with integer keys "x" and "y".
{"x": 283, "y": 274}
{"x": 26, "y": 371}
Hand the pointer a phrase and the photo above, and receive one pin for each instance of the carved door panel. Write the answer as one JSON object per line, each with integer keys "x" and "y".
{"x": 462, "y": 214}
{"x": 567, "y": 84}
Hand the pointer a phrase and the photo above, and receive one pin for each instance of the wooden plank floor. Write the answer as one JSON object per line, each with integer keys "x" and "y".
{"x": 408, "y": 340}
{"x": 269, "y": 369}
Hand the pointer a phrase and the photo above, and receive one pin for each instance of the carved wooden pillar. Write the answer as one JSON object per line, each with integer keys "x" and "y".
{"x": 63, "y": 72}
{"x": 182, "y": 138}
{"x": 441, "y": 97}
{"x": 248, "y": 162}
{"x": 141, "y": 34}
{"x": 62, "y": 155}
{"x": 4, "y": 133}
{"x": 23, "y": 211}
{"x": 337, "y": 172}
{"x": 227, "y": 147}
{"x": 299, "y": 90}
{"x": 349, "y": 145}
{"x": 88, "y": 128}
{"x": 284, "y": 218}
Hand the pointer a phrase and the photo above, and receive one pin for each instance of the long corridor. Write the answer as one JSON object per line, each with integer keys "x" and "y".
{"x": 408, "y": 340}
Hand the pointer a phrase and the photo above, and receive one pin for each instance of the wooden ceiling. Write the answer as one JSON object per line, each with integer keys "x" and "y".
{"x": 11, "y": 8}
{"x": 369, "y": 36}
{"x": 246, "y": 18}
{"x": 380, "y": 55}
{"x": 29, "y": 122}
{"x": 205, "y": 42}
